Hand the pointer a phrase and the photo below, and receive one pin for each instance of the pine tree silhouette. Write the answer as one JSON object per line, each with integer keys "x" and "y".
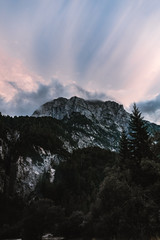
{"x": 139, "y": 140}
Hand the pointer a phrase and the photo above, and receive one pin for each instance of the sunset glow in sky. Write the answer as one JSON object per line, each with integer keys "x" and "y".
{"x": 106, "y": 49}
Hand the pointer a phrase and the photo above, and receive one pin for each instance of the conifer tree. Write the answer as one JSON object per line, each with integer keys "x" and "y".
{"x": 123, "y": 149}
{"x": 139, "y": 141}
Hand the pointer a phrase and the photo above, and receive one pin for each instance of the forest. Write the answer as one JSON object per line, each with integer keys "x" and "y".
{"x": 96, "y": 193}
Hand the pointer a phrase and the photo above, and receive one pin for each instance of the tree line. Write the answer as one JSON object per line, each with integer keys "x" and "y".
{"x": 96, "y": 193}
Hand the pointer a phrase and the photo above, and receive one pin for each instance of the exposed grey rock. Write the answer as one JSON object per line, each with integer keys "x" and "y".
{"x": 90, "y": 122}
{"x": 101, "y": 125}
{"x": 83, "y": 123}
{"x": 30, "y": 172}
{"x": 27, "y": 172}
{"x": 94, "y": 110}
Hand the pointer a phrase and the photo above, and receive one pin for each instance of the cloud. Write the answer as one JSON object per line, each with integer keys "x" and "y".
{"x": 25, "y": 103}
{"x": 101, "y": 46}
{"x": 150, "y": 106}
{"x": 14, "y": 75}
{"x": 91, "y": 95}
{"x": 151, "y": 109}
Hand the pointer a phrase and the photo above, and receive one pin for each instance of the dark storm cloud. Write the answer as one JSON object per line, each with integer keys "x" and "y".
{"x": 150, "y": 106}
{"x": 102, "y": 46}
{"x": 92, "y": 95}
{"x": 150, "y": 109}
{"x": 25, "y": 103}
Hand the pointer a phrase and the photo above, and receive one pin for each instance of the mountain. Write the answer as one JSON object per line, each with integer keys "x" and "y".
{"x": 27, "y": 151}
{"x": 90, "y": 122}
{"x": 31, "y": 146}
{"x": 95, "y": 110}
{"x": 54, "y": 164}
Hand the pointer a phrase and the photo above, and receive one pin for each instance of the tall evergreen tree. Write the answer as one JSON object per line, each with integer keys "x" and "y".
{"x": 123, "y": 149}
{"x": 139, "y": 140}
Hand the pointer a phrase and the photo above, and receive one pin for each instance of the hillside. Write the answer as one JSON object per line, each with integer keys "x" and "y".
{"x": 60, "y": 170}
{"x": 90, "y": 123}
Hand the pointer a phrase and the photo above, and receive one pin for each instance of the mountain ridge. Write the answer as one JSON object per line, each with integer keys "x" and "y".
{"x": 74, "y": 104}
{"x": 107, "y": 119}
{"x": 38, "y": 143}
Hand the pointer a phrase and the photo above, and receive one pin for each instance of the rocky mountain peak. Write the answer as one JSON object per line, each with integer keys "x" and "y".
{"x": 92, "y": 109}
{"x": 90, "y": 122}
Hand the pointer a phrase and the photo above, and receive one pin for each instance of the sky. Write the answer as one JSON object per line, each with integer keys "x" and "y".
{"x": 94, "y": 49}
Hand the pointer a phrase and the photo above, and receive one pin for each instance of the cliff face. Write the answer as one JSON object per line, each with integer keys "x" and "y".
{"x": 20, "y": 174}
{"x": 32, "y": 146}
{"x": 91, "y": 123}
{"x": 103, "y": 112}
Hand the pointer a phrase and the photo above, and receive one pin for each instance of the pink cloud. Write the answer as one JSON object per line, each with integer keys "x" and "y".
{"x": 13, "y": 70}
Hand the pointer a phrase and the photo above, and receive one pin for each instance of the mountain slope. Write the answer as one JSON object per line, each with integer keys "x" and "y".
{"x": 31, "y": 146}
{"x": 90, "y": 123}
{"x": 100, "y": 111}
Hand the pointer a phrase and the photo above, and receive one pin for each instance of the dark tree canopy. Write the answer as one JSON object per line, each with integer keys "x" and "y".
{"x": 139, "y": 140}
{"x": 96, "y": 193}
{"x": 123, "y": 145}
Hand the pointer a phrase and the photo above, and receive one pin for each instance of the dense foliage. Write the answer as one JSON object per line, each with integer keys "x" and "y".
{"x": 127, "y": 205}
{"x": 95, "y": 193}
